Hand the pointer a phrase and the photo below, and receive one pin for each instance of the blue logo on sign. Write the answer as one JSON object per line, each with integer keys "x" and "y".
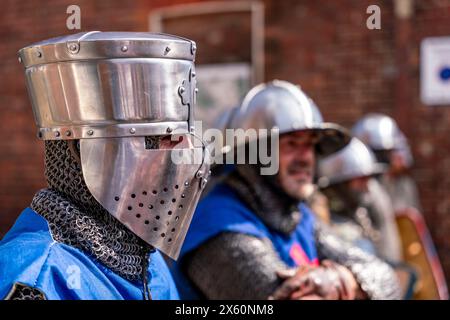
{"x": 445, "y": 74}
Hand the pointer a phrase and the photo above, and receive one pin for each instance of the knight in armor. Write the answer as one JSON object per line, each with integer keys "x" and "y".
{"x": 382, "y": 134}
{"x": 111, "y": 108}
{"x": 344, "y": 178}
{"x": 253, "y": 237}
{"x": 395, "y": 193}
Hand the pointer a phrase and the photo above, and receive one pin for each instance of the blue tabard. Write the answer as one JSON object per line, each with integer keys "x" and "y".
{"x": 30, "y": 256}
{"x": 222, "y": 211}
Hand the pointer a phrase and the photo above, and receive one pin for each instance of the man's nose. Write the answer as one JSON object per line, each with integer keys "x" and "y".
{"x": 305, "y": 152}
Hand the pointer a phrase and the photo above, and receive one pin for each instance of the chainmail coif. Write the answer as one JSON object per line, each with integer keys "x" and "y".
{"x": 75, "y": 218}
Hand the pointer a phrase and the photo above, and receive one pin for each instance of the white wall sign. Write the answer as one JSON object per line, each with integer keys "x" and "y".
{"x": 435, "y": 71}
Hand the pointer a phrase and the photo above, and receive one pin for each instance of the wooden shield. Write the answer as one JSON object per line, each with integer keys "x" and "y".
{"x": 420, "y": 253}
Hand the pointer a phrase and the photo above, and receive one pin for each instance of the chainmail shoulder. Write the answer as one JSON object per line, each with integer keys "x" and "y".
{"x": 103, "y": 239}
{"x": 75, "y": 218}
{"x": 376, "y": 278}
{"x": 234, "y": 266}
{"x": 23, "y": 292}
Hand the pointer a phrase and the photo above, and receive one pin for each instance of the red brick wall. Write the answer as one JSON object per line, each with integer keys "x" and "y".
{"x": 324, "y": 46}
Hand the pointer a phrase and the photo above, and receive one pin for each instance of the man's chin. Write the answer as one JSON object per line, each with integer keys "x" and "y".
{"x": 307, "y": 190}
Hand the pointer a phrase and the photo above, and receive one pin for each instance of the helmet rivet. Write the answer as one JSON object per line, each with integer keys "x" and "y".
{"x": 193, "y": 74}
{"x": 193, "y": 48}
{"x": 169, "y": 130}
{"x": 199, "y": 174}
{"x": 57, "y": 134}
{"x": 182, "y": 90}
{"x": 39, "y": 54}
{"x": 90, "y": 132}
{"x": 124, "y": 48}
{"x": 186, "y": 183}
{"x": 73, "y": 48}
{"x": 20, "y": 60}
{"x": 167, "y": 50}
{"x": 196, "y": 90}
{"x": 68, "y": 133}
{"x": 132, "y": 130}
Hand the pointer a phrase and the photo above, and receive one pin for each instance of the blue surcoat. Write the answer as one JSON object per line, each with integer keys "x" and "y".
{"x": 30, "y": 256}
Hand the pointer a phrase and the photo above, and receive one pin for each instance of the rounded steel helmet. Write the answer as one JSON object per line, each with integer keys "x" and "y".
{"x": 377, "y": 131}
{"x": 118, "y": 93}
{"x": 353, "y": 161}
{"x": 382, "y": 134}
{"x": 284, "y": 106}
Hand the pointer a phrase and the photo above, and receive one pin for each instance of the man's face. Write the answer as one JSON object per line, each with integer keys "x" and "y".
{"x": 359, "y": 185}
{"x": 297, "y": 160}
{"x": 397, "y": 162}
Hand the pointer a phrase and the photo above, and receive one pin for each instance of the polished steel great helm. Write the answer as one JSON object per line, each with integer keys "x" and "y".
{"x": 284, "y": 106}
{"x": 353, "y": 161}
{"x": 118, "y": 92}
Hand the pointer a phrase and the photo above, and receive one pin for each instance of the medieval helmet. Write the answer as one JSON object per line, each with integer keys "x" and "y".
{"x": 284, "y": 106}
{"x": 115, "y": 92}
{"x": 378, "y": 131}
{"x": 382, "y": 134}
{"x": 353, "y": 161}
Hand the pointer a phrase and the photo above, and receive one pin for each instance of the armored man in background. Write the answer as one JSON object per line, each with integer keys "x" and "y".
{"x": 253, "y": 237}
{"x": 107, "y": 105}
